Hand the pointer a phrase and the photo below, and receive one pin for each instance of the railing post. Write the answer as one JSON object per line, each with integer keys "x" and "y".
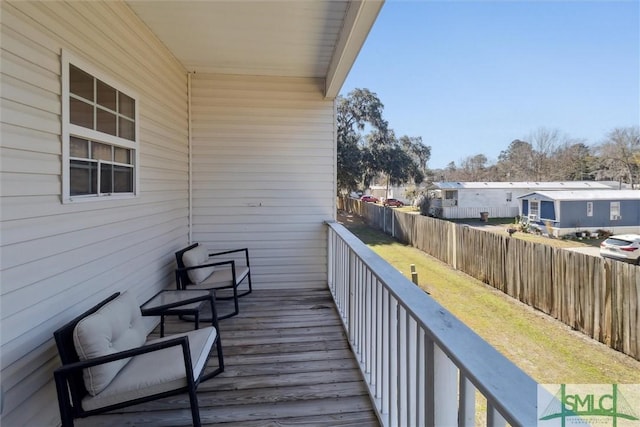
{"x": 386, "y": 352}
{"x": 494, "y": 419}
{"x": 446, "y": 389}
{"x": 350, "y": 306}
{"x": 394, "y": 415}
{"x": 467, "y": 411}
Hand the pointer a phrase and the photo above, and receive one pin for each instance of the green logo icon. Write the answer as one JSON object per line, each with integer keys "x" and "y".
{"x": 582, "y": 404}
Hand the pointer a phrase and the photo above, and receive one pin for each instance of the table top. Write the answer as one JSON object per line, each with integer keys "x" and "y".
{"x": 185, "y": 299}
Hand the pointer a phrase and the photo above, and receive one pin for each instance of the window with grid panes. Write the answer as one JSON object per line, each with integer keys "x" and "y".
{"x": 101, "y": 136}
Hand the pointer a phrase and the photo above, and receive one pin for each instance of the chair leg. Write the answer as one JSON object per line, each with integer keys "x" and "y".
{"x": 195, "y": 410}
{"x": 250, "y": 287}
{"x": 220, "y": 368}
{"x": 235, "y": 305}
{"x": 220, "y": 356}
{"x": 64, "y": 403}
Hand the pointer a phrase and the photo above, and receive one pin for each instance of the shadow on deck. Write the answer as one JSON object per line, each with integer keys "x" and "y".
{"x": 287, "y": 362}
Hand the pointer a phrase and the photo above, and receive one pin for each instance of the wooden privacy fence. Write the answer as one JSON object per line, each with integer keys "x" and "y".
{"x": 599, "y": 297}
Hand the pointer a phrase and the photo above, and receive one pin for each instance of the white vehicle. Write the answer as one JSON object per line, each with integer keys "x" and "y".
{"x": 623, "y": 247}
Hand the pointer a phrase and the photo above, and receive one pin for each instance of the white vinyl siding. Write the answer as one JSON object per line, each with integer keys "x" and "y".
{"x": 264, "y": 173}
{"x": 59, "y": 259}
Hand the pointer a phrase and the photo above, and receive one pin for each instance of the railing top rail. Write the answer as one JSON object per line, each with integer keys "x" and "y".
{"x": 509, "y": 389}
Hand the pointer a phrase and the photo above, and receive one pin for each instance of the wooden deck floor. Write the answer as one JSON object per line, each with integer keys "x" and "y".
{"x": 287, "y": 363}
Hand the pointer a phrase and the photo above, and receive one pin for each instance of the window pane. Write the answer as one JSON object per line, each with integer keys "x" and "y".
{"x": 81, "y": 113}
{"x": 122, "y": 179}
{"x": 106, "y": 178}
{"x": 106, "y": 95}
{"x": 127, "y": 129}
{"x": 80, "y": 83}
{"x": 101, "y": 151}
{"x": 127, "y": 106}
{"x": 106, "y": 122}
{"x": 121, "y": 155}
{"x": 78, "y": 147}
{"x": 83, "y": 178}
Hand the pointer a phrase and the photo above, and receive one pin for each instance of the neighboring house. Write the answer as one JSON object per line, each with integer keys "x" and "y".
{"x": 565, "y": 212}
{"x": 131, "y": 128}
{"x": 395, "y": 192}
{"x": 500, "y": 199}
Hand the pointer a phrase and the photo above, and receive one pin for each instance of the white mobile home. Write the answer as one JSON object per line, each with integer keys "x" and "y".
{"x": 453, "y": 200}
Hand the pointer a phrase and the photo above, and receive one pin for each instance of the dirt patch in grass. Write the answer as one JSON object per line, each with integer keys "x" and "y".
{"x": 548, "y": 350}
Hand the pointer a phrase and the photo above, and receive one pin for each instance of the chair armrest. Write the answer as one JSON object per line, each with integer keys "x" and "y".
{"x": 211, "y": 264}
{"x": 148, "y": 348}
{"x": 245, "y": 250}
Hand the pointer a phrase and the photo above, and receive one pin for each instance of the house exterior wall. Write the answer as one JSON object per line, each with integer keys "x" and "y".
{"x": 473, "y": 201}
{"x": 264, "y": 173}
{"x": 574, "y": 215}
{"x": 570, "y": 216}
{"x": 57, "y": 258}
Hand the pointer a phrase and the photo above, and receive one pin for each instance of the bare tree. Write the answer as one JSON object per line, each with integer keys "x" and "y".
{"x": 544, "y": 142}
{"x": 473, "y": 168}
{"x": 620, "y": 155}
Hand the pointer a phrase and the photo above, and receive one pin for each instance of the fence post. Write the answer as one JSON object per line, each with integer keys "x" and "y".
{"x": 453, "y": 242}
{"x": 414, "y": 274}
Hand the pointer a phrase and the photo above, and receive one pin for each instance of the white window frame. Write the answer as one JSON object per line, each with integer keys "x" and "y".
{"x": 589, "y": 208}
{"x": 69, "y": 129}
{"x": 536, "y": 216}
{"x": 614, "y": 211}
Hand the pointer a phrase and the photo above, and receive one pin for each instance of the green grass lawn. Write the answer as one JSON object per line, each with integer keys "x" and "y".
{"x": 548, "y": 350}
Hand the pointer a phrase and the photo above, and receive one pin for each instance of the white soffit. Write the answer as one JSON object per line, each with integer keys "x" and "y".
{"x": 293, "y": 38}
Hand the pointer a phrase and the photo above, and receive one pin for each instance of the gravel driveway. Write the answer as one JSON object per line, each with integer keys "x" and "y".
{"x": 589, "y": 250}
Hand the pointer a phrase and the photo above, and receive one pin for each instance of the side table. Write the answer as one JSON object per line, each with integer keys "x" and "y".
{"x": 179, "y": 302}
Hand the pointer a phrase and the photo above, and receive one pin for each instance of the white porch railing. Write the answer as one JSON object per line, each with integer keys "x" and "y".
{"x": 422, "y": 365}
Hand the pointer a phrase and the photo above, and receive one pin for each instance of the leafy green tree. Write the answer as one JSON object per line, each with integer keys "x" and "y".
{"x": 517, "y": 162}
{"x": 419, "y": 152}
{"x": 572, "y": 161}
{"x": 359, "y": 110}
{"x": 361, "y": 158}
{"x": 385, "y": 155}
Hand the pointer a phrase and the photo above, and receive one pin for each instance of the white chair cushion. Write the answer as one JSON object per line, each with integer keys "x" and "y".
{"x": 115, "y": 327}
{"x": 222, "y": 278}
{"x": 156, "y": 372}
{"x": 194, "y": 257}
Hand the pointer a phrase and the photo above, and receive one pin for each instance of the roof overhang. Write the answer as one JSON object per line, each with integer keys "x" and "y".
{"x": 293, "y": 38}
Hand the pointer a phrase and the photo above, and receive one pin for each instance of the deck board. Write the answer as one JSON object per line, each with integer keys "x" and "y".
{"x": 287, "y": 363}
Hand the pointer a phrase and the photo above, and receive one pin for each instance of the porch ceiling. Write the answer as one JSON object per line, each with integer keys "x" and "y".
{"x": 294, "y": 38}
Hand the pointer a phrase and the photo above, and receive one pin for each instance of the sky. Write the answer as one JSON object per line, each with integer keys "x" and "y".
{"x": 469, "y": 77}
